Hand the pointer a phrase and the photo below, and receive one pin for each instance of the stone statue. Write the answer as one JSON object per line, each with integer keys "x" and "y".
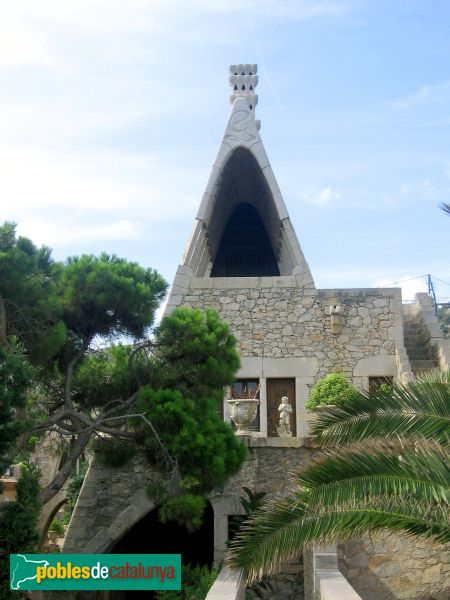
{"x": 284, "y": 423}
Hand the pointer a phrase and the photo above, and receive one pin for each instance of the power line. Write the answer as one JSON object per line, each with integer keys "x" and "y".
{"x": 403, "y": 281}
{"x": 412, "y": 278}
{"x": 441, "y": 280}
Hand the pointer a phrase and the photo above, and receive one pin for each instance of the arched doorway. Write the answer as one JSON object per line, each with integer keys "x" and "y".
{"x": 150, "y": 536}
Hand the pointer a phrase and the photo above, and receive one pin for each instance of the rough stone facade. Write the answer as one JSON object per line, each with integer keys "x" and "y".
{"x": 284, "y": 330}
{"x": 388, "y": 567}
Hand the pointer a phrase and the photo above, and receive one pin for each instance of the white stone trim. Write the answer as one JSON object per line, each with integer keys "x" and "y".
{"x": 227, "y": 586}
{"x": 323, "y": 580}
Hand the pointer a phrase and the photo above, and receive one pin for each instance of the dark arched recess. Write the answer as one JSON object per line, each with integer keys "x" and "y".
{"x": 245, "y": 249}
{"x": 150, "y": 536}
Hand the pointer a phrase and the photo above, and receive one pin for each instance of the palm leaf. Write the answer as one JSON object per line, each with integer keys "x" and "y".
{"x": 277, "y": 535}
{"x": 358, "y": 472}
{"x": 418, "y": 409}
{"x": 347, "y": 492}
{"x": 445, "y": 207}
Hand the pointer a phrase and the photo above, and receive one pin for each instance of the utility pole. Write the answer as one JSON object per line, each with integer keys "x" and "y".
{"x": 432, "y": 293}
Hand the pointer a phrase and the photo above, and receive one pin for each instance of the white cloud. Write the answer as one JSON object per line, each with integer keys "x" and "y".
{"x": 438, "y": 93}
{"x": 66, "y": 233}
{"x": 22, "y": 45}
{"x": 111, "y": 15}
{"x": 325, "y": 197}
{"x": 100, "y": 181}
{"x": 300, "y": 10}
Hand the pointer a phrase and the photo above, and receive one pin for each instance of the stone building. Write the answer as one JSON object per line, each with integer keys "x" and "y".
{"x": 244, "y": 260}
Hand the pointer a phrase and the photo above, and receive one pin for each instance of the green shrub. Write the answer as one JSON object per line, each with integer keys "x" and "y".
{"x": 335, "y": 388}
{"x": 57, "y": 526}
{"x": 18, "y": 526}
{"x": 251, "y": 502}
{"x": 195, "y": 584}
{"x": 186, "y": 509}
{"x": 74, "y": 487}
{"x": 113, "y": 452}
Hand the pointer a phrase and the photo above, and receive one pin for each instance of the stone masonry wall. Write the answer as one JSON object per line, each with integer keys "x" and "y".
{"x": 281, "y": 320}
{"x": 113, "y": 500}
{"x": 387, "y": 567}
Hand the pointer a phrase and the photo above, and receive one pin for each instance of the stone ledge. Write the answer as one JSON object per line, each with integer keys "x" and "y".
{"x": 332, "y": 585}
{"x": 227, "y": 586}
{"x": 379, "y": 292}
{"x": 277, "y": 442}
{"x": 239, "y": 283}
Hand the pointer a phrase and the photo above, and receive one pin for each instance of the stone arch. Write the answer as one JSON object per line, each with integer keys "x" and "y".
{"x": 149, "y": 536}
{"x": 48, "y": 513}
{"x": 245, "y": 249}
{"x": 139, "y": 506}
{"x": 242, "y": 186}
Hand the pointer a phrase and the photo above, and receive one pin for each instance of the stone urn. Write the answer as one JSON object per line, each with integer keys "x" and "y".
{"x": 243, "y": 413}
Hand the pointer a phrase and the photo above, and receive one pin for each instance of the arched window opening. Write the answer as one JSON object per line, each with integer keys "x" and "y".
{"x": 245, "y": 249}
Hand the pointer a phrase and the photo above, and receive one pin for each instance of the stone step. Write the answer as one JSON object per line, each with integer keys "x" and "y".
{"x": 413, "y": 356}
{"x": 416, "y": 344}
{"x": 411, "y": 332}
{"x": 413, "y": 342}
{"x": 418, "y": 366}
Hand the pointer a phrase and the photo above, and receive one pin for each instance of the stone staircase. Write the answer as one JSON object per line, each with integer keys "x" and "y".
{"x": 419, "y": 352}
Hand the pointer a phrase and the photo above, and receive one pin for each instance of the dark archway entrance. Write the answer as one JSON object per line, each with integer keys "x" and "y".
{"x": 149, "y": 536}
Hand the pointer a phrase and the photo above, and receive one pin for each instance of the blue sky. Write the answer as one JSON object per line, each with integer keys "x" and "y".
{"x": 111, "y": 114}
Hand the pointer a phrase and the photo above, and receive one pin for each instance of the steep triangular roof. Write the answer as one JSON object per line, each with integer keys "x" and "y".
{"x": 242, "y": 174}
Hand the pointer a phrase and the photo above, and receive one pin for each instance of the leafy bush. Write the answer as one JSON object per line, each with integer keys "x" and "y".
{"x": 57, "y": 526}
{"x": 113, "y": 452}
{"x": 335, "y": 388}
{"x": 250, "y": 503}
{"x": 18, "y": 522}
{"x": 186, "y": 509}
{"x": 195, "y": 584}
{"x": 196, "y": 359}
{"x": 74, "y": 487}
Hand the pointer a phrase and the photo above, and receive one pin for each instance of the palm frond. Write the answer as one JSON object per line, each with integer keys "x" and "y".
{"x": 421, "y": 409}
{"x": 356, "y": 473}
{"x": 273, "y": 537}
{"x": 445, "y": 207}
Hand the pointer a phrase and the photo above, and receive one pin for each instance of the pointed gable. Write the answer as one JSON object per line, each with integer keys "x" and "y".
{"x": 242, "y": 228}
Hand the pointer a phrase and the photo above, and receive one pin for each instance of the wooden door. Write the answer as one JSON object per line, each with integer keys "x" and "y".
{"x": 276, "y": 388}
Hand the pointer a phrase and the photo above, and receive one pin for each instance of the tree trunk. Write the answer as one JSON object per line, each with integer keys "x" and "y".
{"x": 64, "y": 473}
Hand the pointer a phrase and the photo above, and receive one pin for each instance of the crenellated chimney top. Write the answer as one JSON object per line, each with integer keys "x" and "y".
{"x": 243, "y": 80}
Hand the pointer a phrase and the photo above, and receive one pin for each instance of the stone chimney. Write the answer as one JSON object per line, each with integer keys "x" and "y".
{"x": 243, "y": 80}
